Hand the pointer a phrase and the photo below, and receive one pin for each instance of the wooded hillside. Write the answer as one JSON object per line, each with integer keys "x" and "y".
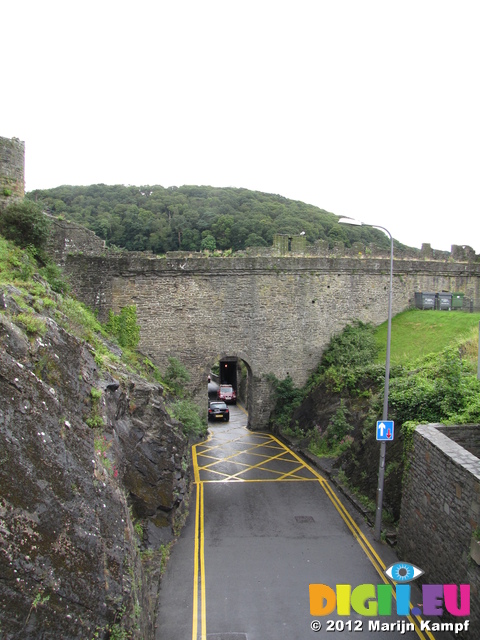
{"x": 193, "y": 218}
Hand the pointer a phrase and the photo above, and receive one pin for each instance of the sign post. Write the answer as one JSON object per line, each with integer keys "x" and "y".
{"x": 385, "y": 430}
{"x": 381, "y": 471}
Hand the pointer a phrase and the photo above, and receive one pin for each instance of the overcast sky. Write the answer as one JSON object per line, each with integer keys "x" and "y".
{"x": 366, "y": 108}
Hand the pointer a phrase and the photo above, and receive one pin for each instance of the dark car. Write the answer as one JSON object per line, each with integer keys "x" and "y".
{"x": 227, "y": 393}
{"x": 218, "y": 411}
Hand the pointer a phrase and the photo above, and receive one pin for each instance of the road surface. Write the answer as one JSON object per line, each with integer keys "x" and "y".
{"x": 262, "y": 527}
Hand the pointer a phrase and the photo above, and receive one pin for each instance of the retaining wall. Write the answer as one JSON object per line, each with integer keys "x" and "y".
{"x": 440, "y": 510}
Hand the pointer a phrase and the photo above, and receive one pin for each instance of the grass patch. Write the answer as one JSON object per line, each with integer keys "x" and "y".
{"x": 32, "y": 324}
{"x": 417, "y": 333}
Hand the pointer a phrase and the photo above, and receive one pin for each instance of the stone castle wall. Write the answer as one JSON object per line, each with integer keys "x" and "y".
{"x": 276, "y": 314}
{"x": 441, "y": 509}
{"x": 68, "y": 237}
{"x": 12, "y": 170}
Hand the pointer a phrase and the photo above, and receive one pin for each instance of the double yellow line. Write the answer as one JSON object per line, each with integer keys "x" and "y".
{"x": 199, "y": 596}
{"x": 370, "y": 552}
{"x": 199, "y": 567}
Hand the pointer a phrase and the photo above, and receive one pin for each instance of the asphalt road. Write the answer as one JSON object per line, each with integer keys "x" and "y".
{"x": 262, "y": 527}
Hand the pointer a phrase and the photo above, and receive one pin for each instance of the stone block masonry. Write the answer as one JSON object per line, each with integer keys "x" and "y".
{"x": 68, "y": 237}
{"x": 466, "y": 435}
{"x": 440, "y": 511}
{"x": 276, "y": 314}
{"x": 12, "y": 170}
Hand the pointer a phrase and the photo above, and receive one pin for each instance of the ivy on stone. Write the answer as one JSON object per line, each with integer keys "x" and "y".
{"x": 124, "y": 327}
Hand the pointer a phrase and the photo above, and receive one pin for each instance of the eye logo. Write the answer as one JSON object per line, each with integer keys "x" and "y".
{"x": 403, "y": 572}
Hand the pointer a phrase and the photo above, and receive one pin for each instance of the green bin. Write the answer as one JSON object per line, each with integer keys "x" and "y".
{"x": 457, "y": 300}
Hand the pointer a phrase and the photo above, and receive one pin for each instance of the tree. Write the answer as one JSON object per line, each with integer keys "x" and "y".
{"x": 222, "y": 230}
{"x": 254, "y": 240}
{"x": 25, "y": 223}
{"x": 338, "y": 234}
{"x": 190, "y": 240}
{"x": 208, "y": 243}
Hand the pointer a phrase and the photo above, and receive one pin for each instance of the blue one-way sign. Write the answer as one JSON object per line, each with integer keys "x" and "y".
{"x": 385, "y": 430}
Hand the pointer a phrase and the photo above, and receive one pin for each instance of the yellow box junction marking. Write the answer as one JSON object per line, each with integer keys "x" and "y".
{"x": 208, "y": 454}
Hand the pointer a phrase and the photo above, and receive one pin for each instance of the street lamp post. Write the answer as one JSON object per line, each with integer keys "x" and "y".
{"x": 383, "y": 444}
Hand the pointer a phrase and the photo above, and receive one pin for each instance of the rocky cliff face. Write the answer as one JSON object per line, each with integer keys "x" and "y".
{"x": 93, "y": 474}
{"x": 359, "y": 462}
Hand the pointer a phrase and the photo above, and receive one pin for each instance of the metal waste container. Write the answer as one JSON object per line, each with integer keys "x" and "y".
{"x": 424, "y": 300}
{"x": 457, "y": 300}
{"x": 444, "y": 301}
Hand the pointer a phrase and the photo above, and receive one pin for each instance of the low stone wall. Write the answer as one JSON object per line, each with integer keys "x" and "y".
{"x": 467, "y": 436}
{"x": 440, "y": 511}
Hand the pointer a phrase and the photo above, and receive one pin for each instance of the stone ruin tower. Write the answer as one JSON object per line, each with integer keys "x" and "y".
{"x": 12, "y": 170}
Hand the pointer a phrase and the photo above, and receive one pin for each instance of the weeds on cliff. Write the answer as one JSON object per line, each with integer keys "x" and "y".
{"x": 293, "y": 432}
{"x": 95, "y": 394}
{"x": 153, "y": 369}
{"x": 15, "y": 265}
{"x": 157, "y": 557}
{"x": 54, "y": 276}
{"x": 101, "y": 445}
{"x": 335, "y": 439}
{"x": 287, "y": 397}
{"x": 138, "y": 528}
{"x": 79, "y": 317}
{"x": 194, "y": 423}
{"x": 365, "y": 501}
{"x": 95, "y": 420}
{"x": 176, "y": 377}
{"x": 32, "y": 324}
{"x": 116, "y": 630}
{"x": 164, "y": 556}
{"x": 22, "y": 265}
{"x": 355, "y": 346}
{"x": 38, "y": 601}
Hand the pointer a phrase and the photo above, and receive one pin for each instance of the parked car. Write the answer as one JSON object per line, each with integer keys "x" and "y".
{"x": 227, "y": 393}
{"x": 218, "y": 411}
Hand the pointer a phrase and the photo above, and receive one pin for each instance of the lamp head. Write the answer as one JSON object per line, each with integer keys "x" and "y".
{"x": 350, "y": 221}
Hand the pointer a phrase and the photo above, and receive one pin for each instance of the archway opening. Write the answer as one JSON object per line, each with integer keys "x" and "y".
{"x": 230, "y": 371}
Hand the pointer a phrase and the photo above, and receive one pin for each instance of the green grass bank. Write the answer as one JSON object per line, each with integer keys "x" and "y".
{"x": 417, "y": 333}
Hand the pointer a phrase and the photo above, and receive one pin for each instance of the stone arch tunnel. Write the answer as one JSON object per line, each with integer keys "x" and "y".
{"x": 275, "y": 314}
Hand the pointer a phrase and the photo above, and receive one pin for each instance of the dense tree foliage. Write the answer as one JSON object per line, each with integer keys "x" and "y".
{"x": 158, "y": 219}
{"x": 24, "y": 223}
